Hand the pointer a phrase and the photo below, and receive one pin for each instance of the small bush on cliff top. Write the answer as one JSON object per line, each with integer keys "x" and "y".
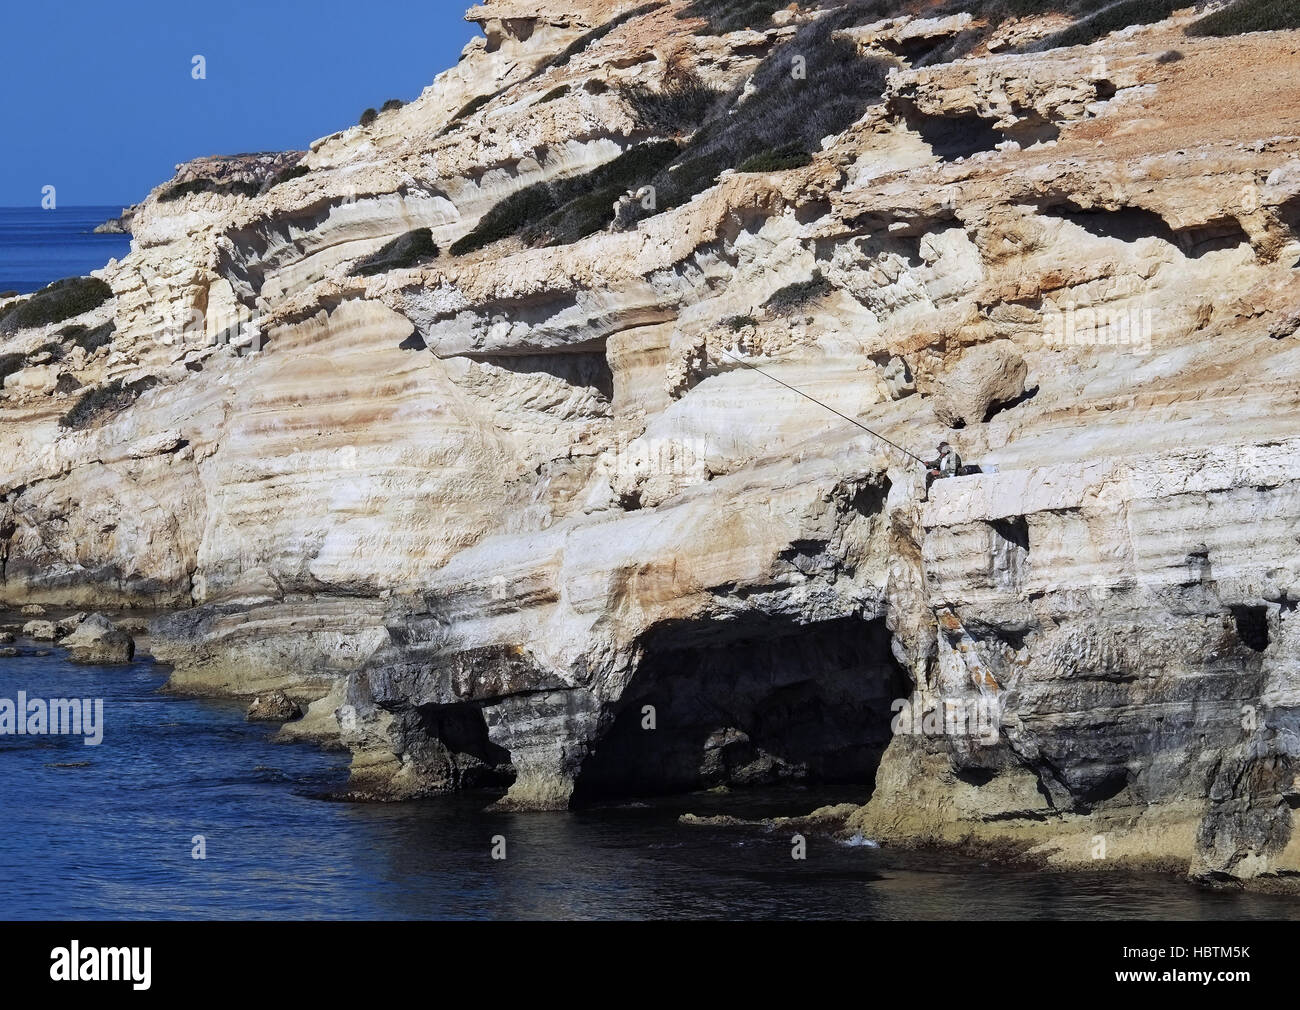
{"x": 778, "y": 159}
{"x": 1249, "y": 16}
{"x": 367, "y": 117}
{"x": 190, "y": 187}
{"x": 182, "y": 189}
{"x": 392, "y": 105}
{"x": 795, "y": 296}
{"x": 564, "y": 210}
{"x": 56, "y": 302}
{"x": 104, "y": 400}
{"x": 293, "y": 172}
{"x": 404, "y": 251}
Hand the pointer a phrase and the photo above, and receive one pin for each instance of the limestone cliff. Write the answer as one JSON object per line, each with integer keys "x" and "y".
{"x": 498, "y": 496}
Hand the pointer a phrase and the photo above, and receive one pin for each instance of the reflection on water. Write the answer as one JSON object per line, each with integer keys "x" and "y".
{"x": 106, "y": 832}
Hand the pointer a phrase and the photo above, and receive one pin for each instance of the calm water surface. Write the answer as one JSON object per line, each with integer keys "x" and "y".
{"x": 38, "y": 246}
{"x": 106, "y": 832}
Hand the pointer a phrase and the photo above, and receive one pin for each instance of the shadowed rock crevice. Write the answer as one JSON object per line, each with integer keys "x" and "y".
{"x": 953, "y": 137}
{"x": 589, "y": 369}
{"x": 1132, "y": 224}
{"x": 451, "y": 742}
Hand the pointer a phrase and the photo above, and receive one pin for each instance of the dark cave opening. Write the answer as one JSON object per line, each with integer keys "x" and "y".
{"x": 773, "y": 704}
{"x": 1252, "y": 626}
{"x": 454, "y": 740}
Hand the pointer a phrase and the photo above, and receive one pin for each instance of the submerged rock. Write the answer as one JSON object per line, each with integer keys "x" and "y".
{"x": 274, "y": 706}
{"x": 42, "y": 631}
{"x": 98, "y": 640}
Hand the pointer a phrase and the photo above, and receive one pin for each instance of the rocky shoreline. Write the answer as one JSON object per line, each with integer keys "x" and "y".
{"x": 452, "y": 431}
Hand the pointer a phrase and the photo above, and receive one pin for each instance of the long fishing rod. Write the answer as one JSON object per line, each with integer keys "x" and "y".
{"x": 826, "y": 406}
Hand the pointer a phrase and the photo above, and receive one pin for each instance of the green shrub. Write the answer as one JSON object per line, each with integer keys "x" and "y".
{"x": 404, "y": 251}
{"x": 738, "y": 323}
{"x": 66, "y": 383}
{"x": 72, "y": 296}
{"x": 104, "y": 400}
{"x": 192, "y": 186}
{"x": 1169, "y": 56}
{"x": 725, "y": 16}
{"x": 10, "y": 363}
{"x": 576, "y": 219}
{"x": 1110, "y": 18}
{"x": 53, "y": 348}
{"x": 392, "y": 105}
{"x": 368, "y": 117}
{"x": 293, "y": 172}
{"x": 471, "y": 107}
{"x": 681, "y": 106}
{"x": 778, "y": 159}
{"x": 564, "y": 210}
{"x": 797, "y": 295}
{"x": 89, "y": 340}
{"x": 1249, "y": 16}
{"x": 554, "y": 93}
{"x": 1094, "y": 19}
{"x": 183, "y": 189}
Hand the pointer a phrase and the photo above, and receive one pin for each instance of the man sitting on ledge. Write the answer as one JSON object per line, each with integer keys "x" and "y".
{"x": 947, "y": 465}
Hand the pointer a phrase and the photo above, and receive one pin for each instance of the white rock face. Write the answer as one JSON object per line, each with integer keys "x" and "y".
{"x": 486, "y": 509}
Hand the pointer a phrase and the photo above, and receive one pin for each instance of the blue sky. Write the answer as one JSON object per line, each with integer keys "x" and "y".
{"x": 100, "y": 102}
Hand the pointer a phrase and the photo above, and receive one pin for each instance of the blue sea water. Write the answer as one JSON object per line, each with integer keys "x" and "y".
{"x": 108, "y": 831}
{"x": 39, "y": 246}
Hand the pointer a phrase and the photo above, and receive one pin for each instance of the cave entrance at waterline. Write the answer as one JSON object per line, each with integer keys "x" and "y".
{"x": 715, "y": 704}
